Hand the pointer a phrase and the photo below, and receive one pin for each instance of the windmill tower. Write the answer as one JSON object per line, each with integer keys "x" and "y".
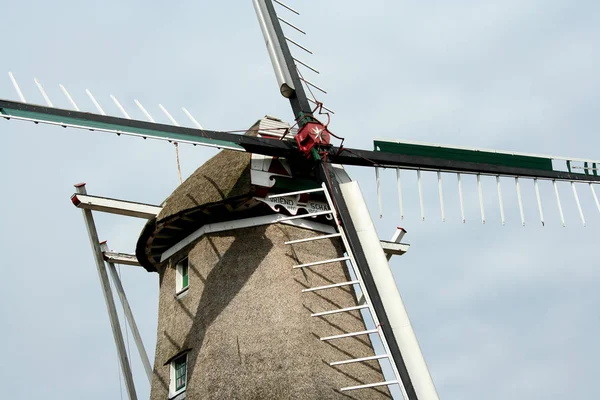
{"x": 405, "y": 155}
{"x": 234, "y": 321}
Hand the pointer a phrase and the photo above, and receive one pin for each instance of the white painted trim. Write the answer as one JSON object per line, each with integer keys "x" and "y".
{"x": 182, "y": 293}
{"x": 263, "y": 220}
{"x": 272, "y": 196}
{"x": 293, "y": 205}
{"x": 392, "y": 248}
{"x": 121, "y": 258}
{"x": 388, "y": 292}
{"x": 398, "y": 235}
{"x": 17, "y": 88}
{"x": 453, "y": 171}
{"x": 115, "y": 206}
{"x": 108, "y": 298}
{"x": 262, "y": 178}
{"x": 180, "y": 290}
{"x": 118, "y": 285}
{"x": 244, "y": 223}
{"x": 362, "y": 287}
{"x": 172, "y": 391}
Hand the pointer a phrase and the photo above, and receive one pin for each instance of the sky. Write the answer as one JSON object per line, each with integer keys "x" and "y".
{"x": 500, "y": 311}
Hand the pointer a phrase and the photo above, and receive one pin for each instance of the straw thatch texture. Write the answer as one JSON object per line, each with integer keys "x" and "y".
{"x": 248, "y": 324}
{"x": 224, "y": 176}
{"x": 220, "y": 189}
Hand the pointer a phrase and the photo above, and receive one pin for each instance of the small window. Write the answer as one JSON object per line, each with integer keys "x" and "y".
{"x": 182, "y": 276}
{"x": 178, "y": 376}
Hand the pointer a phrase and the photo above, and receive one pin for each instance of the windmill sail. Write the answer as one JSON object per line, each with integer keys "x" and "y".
{"x": 492, "y": 162}
{"x": 143, "y": 129}
{"x": 287, "y": 67}
{"x": 518, "y": 166}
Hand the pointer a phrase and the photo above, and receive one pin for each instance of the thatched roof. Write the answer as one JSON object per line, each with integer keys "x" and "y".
{"x": 224, "y": 176}
{"x": 219, "y": 190}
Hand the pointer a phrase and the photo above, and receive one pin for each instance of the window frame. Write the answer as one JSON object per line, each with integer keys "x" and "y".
{"x": 181, "y": 278}
{"x": 173, "y": 391}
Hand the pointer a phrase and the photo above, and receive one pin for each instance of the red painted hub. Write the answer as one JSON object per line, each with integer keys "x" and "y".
{"x": 312, "y": 134}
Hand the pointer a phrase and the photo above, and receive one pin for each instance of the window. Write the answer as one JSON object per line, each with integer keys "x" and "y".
{"x": 178, "y": 376}
{"x": 182, "y": 276}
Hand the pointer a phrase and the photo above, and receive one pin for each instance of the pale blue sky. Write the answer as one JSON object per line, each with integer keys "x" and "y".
{"x": 500, "y": 311}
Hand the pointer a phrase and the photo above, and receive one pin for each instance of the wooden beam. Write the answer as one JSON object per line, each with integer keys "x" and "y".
{"x": 120, "y": 258}
{"x": 393, "y": 248}
{"x": 114, "y": 206}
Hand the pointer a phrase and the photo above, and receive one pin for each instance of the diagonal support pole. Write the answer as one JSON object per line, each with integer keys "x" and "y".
{"x": 129, "y": 315}
{"x": 108, "y": 297}
{"x": 386, "y": 301}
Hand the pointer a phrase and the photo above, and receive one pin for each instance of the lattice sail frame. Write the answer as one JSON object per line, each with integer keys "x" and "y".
{"x": 539, "y": 166}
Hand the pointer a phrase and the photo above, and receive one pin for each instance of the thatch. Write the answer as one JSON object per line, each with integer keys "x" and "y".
{"x": 224, "y": 176}
{"x": 211, "y": 193}
{"x": 244, "y": 318}
{"x": 248, "y": 325}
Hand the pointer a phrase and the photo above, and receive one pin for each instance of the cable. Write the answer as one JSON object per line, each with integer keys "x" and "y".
{"x": 319, "y": 108}
{"x": 319, "y": 104}
{"x": 359, "y": 156}
{"x": 178, "y": 164}
{"x": 307, "y": 86}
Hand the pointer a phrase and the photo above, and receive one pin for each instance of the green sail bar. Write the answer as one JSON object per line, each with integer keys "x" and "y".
{"x": 78, "y": 122}
{"x": 456, "y": 154}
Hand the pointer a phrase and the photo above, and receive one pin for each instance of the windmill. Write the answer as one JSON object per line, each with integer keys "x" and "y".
{"x": 340, "y": 153}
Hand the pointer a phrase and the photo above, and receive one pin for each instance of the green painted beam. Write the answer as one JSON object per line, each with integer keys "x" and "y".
{"x": 91, "y": 124}
{"x": 476, "y": 156}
